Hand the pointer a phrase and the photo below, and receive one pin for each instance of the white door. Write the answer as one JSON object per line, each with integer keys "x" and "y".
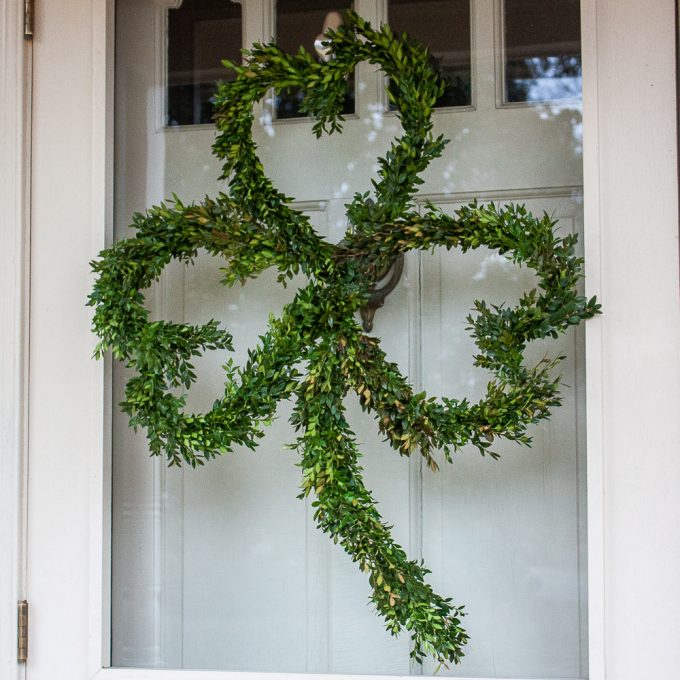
{"x": 222, "y": 567}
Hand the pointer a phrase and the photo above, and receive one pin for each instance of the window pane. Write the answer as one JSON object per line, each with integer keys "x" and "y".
{"x": 201, "y": 33}
{"x": 444, "y": 27}
{"x": 223, "y": 567}
{"x": 298, "y": 24}
{"x": 542, "y": 50}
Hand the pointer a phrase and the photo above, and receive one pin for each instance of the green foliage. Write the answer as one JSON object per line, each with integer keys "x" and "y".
{"x": 254, "y": 228}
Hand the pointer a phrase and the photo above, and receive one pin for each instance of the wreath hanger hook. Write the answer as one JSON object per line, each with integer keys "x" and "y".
{"x": 391, "y": 276}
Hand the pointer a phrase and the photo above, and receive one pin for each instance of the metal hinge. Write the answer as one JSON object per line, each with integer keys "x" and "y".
{"x": 22, "y": 631}
{"x": 29, "y": 12}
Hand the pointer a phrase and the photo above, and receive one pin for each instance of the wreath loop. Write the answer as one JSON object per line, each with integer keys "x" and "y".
{"x": 254, "y": 228}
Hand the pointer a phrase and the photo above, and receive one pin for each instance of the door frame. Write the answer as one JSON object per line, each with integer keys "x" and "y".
{"x": 15, "y": 93}
{"x": 631, "y": 351}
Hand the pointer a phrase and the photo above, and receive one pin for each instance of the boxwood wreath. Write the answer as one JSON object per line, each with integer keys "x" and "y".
{"x": 316, "y": 353}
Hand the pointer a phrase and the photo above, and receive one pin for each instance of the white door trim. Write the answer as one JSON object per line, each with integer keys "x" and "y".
{"x": 633, "y": 365}
{"x": 68, "y": 536}
{"x": 633, "y": 362}
{"x": 14, "y": 172}
{"x": 594, "y": 376}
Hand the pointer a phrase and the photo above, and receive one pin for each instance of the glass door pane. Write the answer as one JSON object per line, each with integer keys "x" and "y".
{"x": 542, "y": 50}
{"x": 444, "y": 27}
{"x": 301, "y": 23}
{"x": 222, "y": 567}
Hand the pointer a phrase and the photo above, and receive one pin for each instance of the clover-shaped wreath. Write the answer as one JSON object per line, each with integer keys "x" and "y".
{"x": 254, "y": 228}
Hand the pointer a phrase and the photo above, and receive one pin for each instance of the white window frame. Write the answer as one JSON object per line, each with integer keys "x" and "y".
{"x": 633, "y": 394}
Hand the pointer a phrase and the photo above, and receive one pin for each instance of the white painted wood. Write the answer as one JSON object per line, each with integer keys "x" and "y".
{"x": 594, "y": 349}
{"x": 630, "y": 154}
{"x": 67, "y": 568}
{"x": 15, "y": 62}
{"x": 633, "y": 502}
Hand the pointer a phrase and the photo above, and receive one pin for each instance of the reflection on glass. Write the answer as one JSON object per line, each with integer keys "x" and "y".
{"x": 223, "y": 567}
{"x": 542, "y": 50}
{"x": 302, "y": 23}
{"x": 444, "y": 27}
{"x": 201, "y": 33}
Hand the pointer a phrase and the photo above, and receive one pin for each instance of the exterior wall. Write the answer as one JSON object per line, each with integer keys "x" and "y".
{"x": 631, "y": 187}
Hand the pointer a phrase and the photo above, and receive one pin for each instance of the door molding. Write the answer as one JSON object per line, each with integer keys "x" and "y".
{"x": 15, "y": 63}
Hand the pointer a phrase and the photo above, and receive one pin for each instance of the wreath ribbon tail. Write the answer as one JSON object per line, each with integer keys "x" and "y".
{"x": 347, "y": 512}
